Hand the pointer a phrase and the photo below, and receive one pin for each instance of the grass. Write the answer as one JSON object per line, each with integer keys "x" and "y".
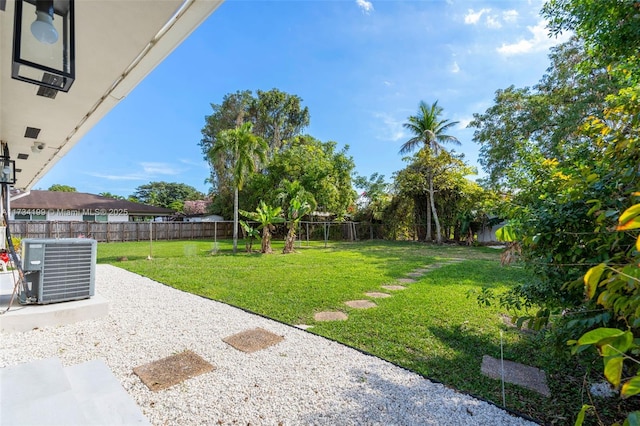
{"x": 431, "y": 328}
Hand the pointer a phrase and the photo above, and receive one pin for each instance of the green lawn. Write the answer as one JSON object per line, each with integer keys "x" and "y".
{"x": 432, "y": 327}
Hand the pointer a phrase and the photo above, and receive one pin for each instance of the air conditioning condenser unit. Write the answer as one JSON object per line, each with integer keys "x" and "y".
{"x": 58, "y": 270}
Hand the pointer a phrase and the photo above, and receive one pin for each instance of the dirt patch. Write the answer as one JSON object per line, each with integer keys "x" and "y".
{"x": 330, "y": 316}
{"x": 166, "y": 372}
{"x": 253, "y": 340}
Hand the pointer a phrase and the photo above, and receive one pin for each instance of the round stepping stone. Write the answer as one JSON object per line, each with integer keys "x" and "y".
{"x": 394, "y": 287}
{"x": 360, "y": 304}
{"x": 330, "y": 316}
{"x": 406, "y": 280}
{"x": 415, "y": 274}
{"x": 377, "y": 295}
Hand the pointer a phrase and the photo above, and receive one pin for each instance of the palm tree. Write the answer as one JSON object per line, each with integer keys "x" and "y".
{"x": 241, "y": 151}
{"x": 267, "y": 216}
{"x": 429, "y": 134}
{"x": 297, "y": 202}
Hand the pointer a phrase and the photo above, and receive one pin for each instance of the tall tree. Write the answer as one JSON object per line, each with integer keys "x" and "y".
{"x": 429, "y": 133}
{"x": 320, "y": 168}
{"x": 277, "y": 117}
{"x": 110, "y": 195}
{"x": 170, "y": 195}
{"x": 241, "y": 152}
{"x": 61, "y": 188}
{"x": 542, "y": 119}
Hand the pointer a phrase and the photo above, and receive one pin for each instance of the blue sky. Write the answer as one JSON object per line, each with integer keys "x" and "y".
{"x": 360, "y": 66}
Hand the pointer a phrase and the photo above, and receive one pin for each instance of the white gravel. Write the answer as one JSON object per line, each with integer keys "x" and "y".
{"x": 303, "y": 380}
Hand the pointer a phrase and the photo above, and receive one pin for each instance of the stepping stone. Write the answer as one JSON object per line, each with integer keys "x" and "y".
{"x": 422, "y": 270}
{"x": 393, "y": 287}
{"x": 519, "y": 374}
{"x": 330, "y": 316}
{"x": 415, "y": 274}
{"x": 377, "y": 295}
{"x": 253, "y": 340}
{"x": 406, "y": 280}
{"x": 360, "y": 304}
{"x": 166, "y": 372}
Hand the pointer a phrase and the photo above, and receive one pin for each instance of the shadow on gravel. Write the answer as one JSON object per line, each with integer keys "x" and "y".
{"x": 382, "y": 401}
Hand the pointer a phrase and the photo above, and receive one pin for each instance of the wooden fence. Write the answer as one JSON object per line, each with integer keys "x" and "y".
{"x": 122, "y": 231}
{"x": 140, "y": 231}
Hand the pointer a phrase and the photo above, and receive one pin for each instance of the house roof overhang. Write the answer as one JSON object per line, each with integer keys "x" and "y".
{"x": 118, "y": 42}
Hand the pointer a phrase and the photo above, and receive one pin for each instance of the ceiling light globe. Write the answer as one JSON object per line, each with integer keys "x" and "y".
{"x": 42, "y": 28}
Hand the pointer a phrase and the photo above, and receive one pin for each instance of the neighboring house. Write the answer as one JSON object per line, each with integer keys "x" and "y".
{"x": 487, "y": 234}
{"x": 80, "y": 207}
{"x": 207, "y": 218}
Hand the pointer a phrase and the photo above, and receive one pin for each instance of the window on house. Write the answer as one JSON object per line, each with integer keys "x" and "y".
{"x": 19, "y": 216}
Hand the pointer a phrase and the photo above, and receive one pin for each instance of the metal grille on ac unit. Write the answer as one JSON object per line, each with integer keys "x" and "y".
{"x": 59, "y": 270}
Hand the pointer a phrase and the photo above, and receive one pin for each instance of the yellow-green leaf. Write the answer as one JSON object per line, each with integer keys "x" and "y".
{"x": 638, "y": 243}
{"x": 506, "y": 234}
{"x": 598, "y": 335}
{"x": 630, "y": 388}
{"x": 630, "y": 224}
{"x": 581, "y": 414}
{"x": 613, "y": 361}
{"x": 629, "y": 219}
{"x": 592, "y": 278}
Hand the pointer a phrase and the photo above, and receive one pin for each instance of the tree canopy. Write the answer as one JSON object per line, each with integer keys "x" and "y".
{"x": 169, "y": 195}
{"x": 276, "y": 117}
{"x": 62, "y": 188}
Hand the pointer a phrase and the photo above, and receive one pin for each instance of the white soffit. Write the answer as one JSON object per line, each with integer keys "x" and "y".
{"x": 118, "y": 42}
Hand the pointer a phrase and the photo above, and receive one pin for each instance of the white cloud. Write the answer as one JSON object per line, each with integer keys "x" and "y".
{"x": 189, "y": 162}
{"x": 365, "y": 5}
{"x": 159, "y": 169}
{"x": 455, "y": 68}
{"x": 119, "y": 177}
{"x": 464, "y": 122}
{"x": 473, "y": 17}
{"x": 493, "y": 22}
{"x": 391, "y": 129}
{"x": 510, "y": 16}
{"x": 539, "y": 41}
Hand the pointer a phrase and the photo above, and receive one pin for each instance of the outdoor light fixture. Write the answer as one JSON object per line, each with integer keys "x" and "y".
{"x": 42, "y": 28}
{"x": 7, "y": 170}
{"x": 44, "y": 43}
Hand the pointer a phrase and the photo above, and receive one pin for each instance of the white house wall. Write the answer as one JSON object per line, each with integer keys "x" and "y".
{"x": 68, "y": 216}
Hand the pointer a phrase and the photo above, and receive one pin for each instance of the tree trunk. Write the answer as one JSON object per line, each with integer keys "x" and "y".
{"x": 235, "y": 220}
{"x": 429, "y": 236}
{"x": 266, "y": 240}
{"x": 435, "y": 213}
{"x": 290, "y": 239}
